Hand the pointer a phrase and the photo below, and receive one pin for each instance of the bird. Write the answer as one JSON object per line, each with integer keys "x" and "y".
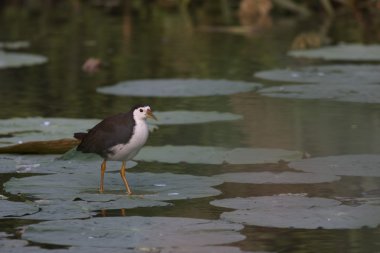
{"x": 117, "y": 138}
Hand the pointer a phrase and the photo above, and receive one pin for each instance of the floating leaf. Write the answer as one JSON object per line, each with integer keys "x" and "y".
{"x": 260, "y": 155}
{"x": 330, "y": 74}
{"x": 81, "y": 207}
{"x": 124, "y": 202}
{"x": 343, "y": 93}
{"x": 193, "y": 117}
{"x": 277, "y": 178}
{"x": 75, "y": 186}
{"x": 21, "y": 130}
{"x": 365, "y": 165}
{"x": 342, "y": 52}
{"x": 60, "y": 210}
{"x": 287, "y": 211}
{"x": 351, "y": 83}
{"x": 14, "y": 45}
{"x": 15, "y": 209}
{"x": 214, "y": 155}
{"x": 205, "y": 249}
{"x": 373, "y": 201}
{"x": 14, "y": 60}
{"x": 134, "y": 232}
{"x": 78, "y": 163}
{"x": 178, "y": 88}
{"x": 22, "y": 246}
{"x": 75, "y": 194}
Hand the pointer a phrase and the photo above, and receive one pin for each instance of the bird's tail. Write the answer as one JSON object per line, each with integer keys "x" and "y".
{"x": 79, "y": 136}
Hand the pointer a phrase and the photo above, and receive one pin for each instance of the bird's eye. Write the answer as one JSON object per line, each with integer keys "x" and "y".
{"x": 141, "y": 110}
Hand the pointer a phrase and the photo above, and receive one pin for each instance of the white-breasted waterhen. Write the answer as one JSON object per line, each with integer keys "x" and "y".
{"x": 117, "y": 138}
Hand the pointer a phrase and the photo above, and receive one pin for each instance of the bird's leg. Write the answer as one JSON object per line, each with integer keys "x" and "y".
{"x": 122, "y": 174}
{"x": 102, "y": 169}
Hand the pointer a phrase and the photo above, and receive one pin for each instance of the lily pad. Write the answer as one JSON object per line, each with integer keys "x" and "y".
{"x": 373, "y": 201}
{"x": 24, "y": 164}
{"x": 21, "y": 130}
{"x": 350, "y": 83}
{"x": 80, "y": 209}
{"x": 178, "y": 88}
{"x": 14, "y": 60}
{"x": 341, "y": 52}
{"x": 14, "y": 45}
{"x": 193, "y": 117}
{"x": 16, "y": 209}
{"x": 330, "y": 74}
{"x": 75, "y": 195}
{"x": 60, "y": 210}
{"x": 205, "y": 249}
{"x": 365, "y": 165}
{"x": 82, "y": 163}
{"x": 277, "y": 178}
{"x": 22, "y": 246}
{"x": 134, "y": 232}
{"x": 215, "y": 155}
{"x": 162, "y": 186}
{"x": 289, "y": 211}
{"x": 343, "y": 93}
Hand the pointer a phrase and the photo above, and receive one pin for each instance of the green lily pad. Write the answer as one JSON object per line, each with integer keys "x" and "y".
{"x": 26, "y": 164}
{"x": 14, "y": 45}
{"x": 60, "y": 210}
{"x": 82, "y": 163}
{"x": 292, "y": 211}
{"x": 205, "y": 249}
{"x": 373, "y": 201}
{"x": 347, "y": 83}
{"x": 19, "y": 246}
{"x": 193, "y": 117}
{"x": 20, "y": 130}
{"x": 342, "y": 52}
{"x": 15, "y": 209}
{"x": 343, "y": 93}
{"x": 329, "y": 74}
{"x": 162, "y": 186}
{"x": 22, "y": 246}
{"x": 178, "y": 88}
{"x": 134, "y": 232}
{"x": 215, "y": 155}
{"x": 365, "y": 165}
{"x": 75, "y": 195}
{"x": 277, "y": 178}
{"x": 123, "y": 202}
{"x": 14, "y": 60}
{"x": 80, "y": 209}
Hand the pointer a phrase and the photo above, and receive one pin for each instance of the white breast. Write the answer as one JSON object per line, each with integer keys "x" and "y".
{"x": 124, "y": 152}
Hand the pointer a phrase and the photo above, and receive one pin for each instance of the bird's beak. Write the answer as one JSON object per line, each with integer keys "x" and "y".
{"x": 149, "y": 114}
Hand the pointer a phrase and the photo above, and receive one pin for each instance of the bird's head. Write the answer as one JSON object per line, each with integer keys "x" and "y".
{"x": 143, "y": 112}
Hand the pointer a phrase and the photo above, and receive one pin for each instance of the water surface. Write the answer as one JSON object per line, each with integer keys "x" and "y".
{"x": 154, "y": 43}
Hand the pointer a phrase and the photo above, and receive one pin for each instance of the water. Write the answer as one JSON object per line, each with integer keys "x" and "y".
{"x": 153, "y": 42}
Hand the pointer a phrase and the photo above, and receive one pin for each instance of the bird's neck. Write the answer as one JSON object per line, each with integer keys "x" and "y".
{"x": 141, "y": 122}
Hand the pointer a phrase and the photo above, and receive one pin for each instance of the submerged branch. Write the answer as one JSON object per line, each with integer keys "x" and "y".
{"x": 41, "y": 147}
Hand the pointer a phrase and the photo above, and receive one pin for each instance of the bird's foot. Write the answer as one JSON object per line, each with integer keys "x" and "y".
{"x": 136, "y": 196}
